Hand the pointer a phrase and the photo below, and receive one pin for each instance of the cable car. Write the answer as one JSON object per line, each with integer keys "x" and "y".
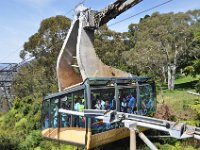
{"x": 135, "y": 95}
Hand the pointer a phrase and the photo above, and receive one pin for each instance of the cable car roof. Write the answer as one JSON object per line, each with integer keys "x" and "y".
{"x": 101, "y": 81}
{"x": 117, "y": 80}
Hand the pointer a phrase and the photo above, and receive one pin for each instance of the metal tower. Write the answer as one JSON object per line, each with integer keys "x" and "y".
{"x": 7, "y": 74}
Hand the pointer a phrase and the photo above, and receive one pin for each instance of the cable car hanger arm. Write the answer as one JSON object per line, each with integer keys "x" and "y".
{"x": 113, "y": 10}
{"x": 95, "y": 19}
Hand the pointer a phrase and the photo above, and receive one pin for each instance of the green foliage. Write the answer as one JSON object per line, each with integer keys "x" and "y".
{"x": 110, "y": 45}
{"x": 197, "y": 66}
{"x": 163, "y": 40}
{"x": 189, "y": 70}
{"x": 20, "y": 123}
{"x": 8, "y": 142}
{"x": 196, "y": 107}
{"x": 197, "y": 71}
{"x": 177, "y": 146}
{"x": 51, "y": 145}
{"x": 38, "y": 77}
{"x": 181, "y": 79}
{"x": 198, "y": 86}
{"x": 197, "y": 35}
{"x": 20, "y": 127}
{"x": 31, "y": 141}
{"x": 48, "y": 39}
{"x": 186, "y": 108}
{"x": 33, "y": 79}
{"x": 194, "y": 70}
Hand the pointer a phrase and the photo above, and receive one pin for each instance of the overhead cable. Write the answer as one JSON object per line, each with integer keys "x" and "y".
{"x": 141, "y": 12}
{"x": 80, "y": 2}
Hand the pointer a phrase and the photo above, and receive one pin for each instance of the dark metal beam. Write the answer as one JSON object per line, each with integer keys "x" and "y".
{"x": 2, "y": 81}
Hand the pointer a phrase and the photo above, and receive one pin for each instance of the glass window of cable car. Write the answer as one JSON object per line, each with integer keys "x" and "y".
{"x": 128, "y": 99}
{"x": 61, "y": 126}
{"x": 66, "y": 102}
{"x": 50, "y": 118}
{"x": 45, "y": 114}
{"x": 79, "y": 105}
{"x": 102, "y": 98}
{"x": 146, "y": 97}
{"x": 137, "y": 100}
{"x": 54, "y": 106}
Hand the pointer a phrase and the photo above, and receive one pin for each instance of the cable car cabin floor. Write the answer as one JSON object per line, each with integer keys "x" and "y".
{"x": 77, "y": 136}
{"x": 72, "y": 135}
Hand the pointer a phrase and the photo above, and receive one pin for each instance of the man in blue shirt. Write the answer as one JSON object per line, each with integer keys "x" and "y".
{"x": 131, "y": 103}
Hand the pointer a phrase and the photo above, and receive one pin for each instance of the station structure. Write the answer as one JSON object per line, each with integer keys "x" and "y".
{"x": 7, "y": 75}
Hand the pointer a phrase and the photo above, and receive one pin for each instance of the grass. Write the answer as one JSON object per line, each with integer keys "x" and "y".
{"x": 178, "y": 100}
{"x": 179, "y": 103}
{"x": 185, "y": 79}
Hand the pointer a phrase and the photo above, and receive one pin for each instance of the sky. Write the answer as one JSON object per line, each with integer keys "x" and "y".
{"x": 19, "y": 19}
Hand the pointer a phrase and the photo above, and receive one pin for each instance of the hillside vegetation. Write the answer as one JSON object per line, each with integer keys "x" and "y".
{"x": 164, "y": 46}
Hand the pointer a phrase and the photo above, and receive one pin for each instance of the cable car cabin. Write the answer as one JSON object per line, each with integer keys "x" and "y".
{"x": 131, "y": 95}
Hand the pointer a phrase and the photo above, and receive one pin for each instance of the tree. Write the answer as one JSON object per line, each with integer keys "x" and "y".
{"x": 38, "y": 77}
{"x": 109, "y": 46}
{"x": 193, "y": 68}
{"x": 145, "y": 63}
{"x": 20, "y": 127}
{"x": 170, "y": 38}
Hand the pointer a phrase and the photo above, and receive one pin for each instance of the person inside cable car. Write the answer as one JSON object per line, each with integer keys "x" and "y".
{"x": 63, "y": 117}
{"x": 143, "y": 110}
{"x": 100, "y": 104}
{"x": 46, "y": 122}
{"x": 97, "y": 124}
{"x": 77, "y": 104}
{"x": 81, "y": 118}
{"x": 112, "y": 103}
{"x": 77, "y": 108}
{"x": 108, "y": 106}
{"x": 131, "y": 103}
{"x": 149, "y": 104}
{"x": 55, "y": 115}
{"x": 68, "y": 117}
{"x": 124, "y": 105}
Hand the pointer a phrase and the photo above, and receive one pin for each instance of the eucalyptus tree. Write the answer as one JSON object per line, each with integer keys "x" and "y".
{"x": 169, "y": 37}
{"x": 109, "y": 46}
{"x": 39, "y": 75}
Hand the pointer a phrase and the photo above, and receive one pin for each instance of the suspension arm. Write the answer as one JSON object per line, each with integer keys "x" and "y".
{"x": 113, "y": 10}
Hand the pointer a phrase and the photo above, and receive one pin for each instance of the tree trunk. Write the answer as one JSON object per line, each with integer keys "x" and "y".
{"x": 169, "y": 76}
{"x": 172, "y": 72}
{"x": 173, "y": 76}
{"x": 174, "y": 66}
{"x": 164, "y": 74}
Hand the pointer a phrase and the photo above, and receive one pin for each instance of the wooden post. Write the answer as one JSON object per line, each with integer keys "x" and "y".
{"x": 132, "y": 139}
